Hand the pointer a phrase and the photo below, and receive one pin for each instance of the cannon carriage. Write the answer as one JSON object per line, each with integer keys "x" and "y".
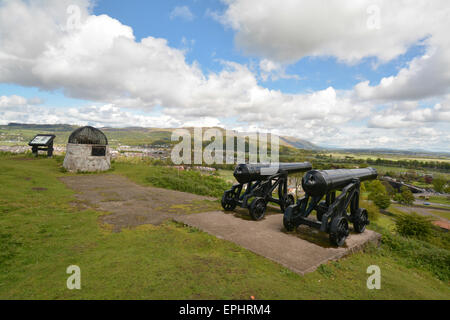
{"x": 335, "y": 213}
{"x": 258, "y": 183}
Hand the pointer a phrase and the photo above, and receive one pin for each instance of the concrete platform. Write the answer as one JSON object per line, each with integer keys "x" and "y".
{"x": 301, "y": 251}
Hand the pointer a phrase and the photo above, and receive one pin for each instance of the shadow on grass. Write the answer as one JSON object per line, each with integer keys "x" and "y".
{"x": 387, "y": 213}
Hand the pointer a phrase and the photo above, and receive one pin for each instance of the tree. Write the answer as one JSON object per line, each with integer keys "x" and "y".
{"x": 382, "y": 201}
{"x": 375, "y": 186}
{"x": 398, "y": 197}
{"x": 439, "y": 184}
{"x": 406, "y": 196}
{"x": 389, "y": 189}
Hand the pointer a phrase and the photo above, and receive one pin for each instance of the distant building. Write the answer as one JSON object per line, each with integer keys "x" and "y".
{"x": 206, "y": 169}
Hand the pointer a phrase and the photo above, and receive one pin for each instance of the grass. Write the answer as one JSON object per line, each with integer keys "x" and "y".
{"x": 422, "y": 254}
{"x": 387, "y": 157}
{"x": 438, "y": 212}
{"x": 127, "y": 136}
{"x": 438, "y": 199}
{"x": 227, "y": 175}
{"x": 174, "y": 179}
{"x": 441, "y": 213}
{"x": 428, "y": 249}
{"x": 382, "y": 169}
{"x": 42, "y": 233}
{"x": 422, "y": 185}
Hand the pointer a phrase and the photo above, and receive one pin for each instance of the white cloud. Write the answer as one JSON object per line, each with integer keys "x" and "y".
{"x": 101, "y": 61}
{"x": 424, "y": 77}
{"x": 12, "y": 101}
{"x": 408, "y": 138}
{"x": 389, "y": 121}
{"x": 182, "y": 12}
{"x": 396, "y": 116}
{"x": 294, "y": 29}
{"x": 351, "y": 31}
{"x": 274, "y": 70}
{"x": 18, "y": 101}
{"x": 18, "y": 109}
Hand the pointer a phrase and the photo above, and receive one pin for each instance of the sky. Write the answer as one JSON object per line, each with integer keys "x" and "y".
{"x": 338, "y": 73}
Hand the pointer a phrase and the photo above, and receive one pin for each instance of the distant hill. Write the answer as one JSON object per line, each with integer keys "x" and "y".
{"x": 386, "y": 151}
{"x": 299, "y": 143}
{"x": 47, "y": 127}
{"x": 131, "y": 135}
{"x": 287, "y": 141}
{"x": 22, "y": 133}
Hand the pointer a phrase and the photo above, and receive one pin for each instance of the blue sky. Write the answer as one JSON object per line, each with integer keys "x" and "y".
{"x": 213, "y": 42}
{"x": 250, "y": 57}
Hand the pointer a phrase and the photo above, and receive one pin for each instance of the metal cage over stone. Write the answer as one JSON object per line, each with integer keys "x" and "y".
{"x": 88, "y": 135}
{"x": 87, "y": 151}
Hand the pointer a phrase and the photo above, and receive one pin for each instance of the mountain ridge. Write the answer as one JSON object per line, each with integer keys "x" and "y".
{"x": 164, "y": 135}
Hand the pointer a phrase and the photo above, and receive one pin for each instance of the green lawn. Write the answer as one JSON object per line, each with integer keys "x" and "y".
{"x": 382, "y": 169}
{"x": 127, "y": 136}
{"x": 226, "y": 175}
{"x": 144, "y": 173}
{"x": 440, "y": 199}
{"x": 42, "y": 233}
{"x": 442, "y": 213}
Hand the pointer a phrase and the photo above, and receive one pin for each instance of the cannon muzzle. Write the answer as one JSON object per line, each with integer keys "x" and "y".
{"x": 245, "y": 173}
{"x": 320, "y": 182}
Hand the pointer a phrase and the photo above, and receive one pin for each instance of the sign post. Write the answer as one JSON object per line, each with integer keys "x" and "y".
{"x": 43, "y": 142}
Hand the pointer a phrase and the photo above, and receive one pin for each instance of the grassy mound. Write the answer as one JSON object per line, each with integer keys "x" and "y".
{"x": 42, "y": 233}
{"x": 147, "y": 173}
{"x": 187, "y": 181}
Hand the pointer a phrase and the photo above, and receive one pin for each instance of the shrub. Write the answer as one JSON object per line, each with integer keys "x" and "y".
{"x": 413, "y": 225}
{"x": 363, "y": 187}
{"x": 439, "y": 184}
{"x": 382, "y": 201}
{"x": 405, "y": 197}
{"x": 389, "y": 189}
{"x": 419, "y": 254}
{"x": 372, "y": 210}
{"x": 375, "y": 186}
{"x": 398, "y": 197}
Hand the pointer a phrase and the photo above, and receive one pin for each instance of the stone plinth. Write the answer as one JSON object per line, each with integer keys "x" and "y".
{"x": 79, "y": 158}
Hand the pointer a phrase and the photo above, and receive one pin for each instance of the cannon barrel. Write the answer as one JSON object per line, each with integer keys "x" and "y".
{"x": 252, "y": 172}
{"x": 320, "y": 182}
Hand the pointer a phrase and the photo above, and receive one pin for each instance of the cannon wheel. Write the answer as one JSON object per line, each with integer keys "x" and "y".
{"x": 287, "y": 219}
{"x": 339, "y": 231}
{"x": 228, "y": 203}
{"x": 290, "y": 200}
{"x": 361, "y": 220}
{"x": 258, "y": 208}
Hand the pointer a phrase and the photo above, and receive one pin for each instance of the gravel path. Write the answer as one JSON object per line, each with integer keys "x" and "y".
{"x": 130, "y": 204}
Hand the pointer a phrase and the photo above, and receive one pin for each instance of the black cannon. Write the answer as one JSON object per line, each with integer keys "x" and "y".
{"x": 332, "y": 216}
{"x": 259, "y": 182}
